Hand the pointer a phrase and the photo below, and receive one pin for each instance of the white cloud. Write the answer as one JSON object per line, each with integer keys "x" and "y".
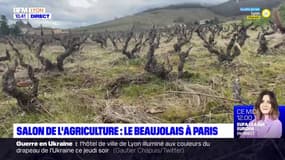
{"x": 75, "y": 13}
{"x": 80, "y": 4}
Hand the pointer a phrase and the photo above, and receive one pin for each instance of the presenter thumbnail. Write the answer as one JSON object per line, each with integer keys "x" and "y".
{"x": 266, "y": 123}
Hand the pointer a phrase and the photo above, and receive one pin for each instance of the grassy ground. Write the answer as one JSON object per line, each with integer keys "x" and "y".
{"x": 78, "y": 94}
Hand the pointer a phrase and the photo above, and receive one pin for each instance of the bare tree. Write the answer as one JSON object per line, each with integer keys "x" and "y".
{"x": 169, "y": 33}
{"x": 242, "y": 34}
{"x": 137, "y": 47}
{"x": 71, "y": 43}
{"x": 28, "y": 41}
{"x": 182, "y": 60}
{"x": 263, "y": 43}
{"x": 184, "y": 36}
{"x": 112, "y": 37}
{"x": 233, "y": 48}
{"x": 28, "y": 100}
{"x": 279, "y": 25}
{"x": 278, "y": 21}
{"x": 152, "y": 65}
{"x": 100, "y": 38}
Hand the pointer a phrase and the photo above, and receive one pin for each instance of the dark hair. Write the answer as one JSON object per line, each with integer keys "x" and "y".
{"x": 274, "y": 113}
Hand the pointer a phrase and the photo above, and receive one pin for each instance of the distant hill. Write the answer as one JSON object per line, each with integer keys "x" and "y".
{"x": 186, "y": 13}
{"x": 160, "y": 17}
{"x": 178, "y": 6}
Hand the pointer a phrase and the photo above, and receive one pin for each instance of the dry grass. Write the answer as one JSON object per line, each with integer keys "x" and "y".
{"x": 78, "y": 94}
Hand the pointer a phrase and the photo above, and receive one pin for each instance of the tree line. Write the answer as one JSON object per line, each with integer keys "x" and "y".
{"x": 6, "y": 30}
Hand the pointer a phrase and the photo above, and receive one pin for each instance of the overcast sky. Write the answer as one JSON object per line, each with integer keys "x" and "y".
{"x": 75, "y": 13}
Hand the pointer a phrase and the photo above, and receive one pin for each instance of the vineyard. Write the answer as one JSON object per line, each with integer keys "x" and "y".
{"x": 174, "y": 74}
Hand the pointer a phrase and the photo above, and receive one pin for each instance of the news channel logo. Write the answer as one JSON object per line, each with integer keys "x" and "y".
{"x": 21, "y": 13}
{"x": 256, "y": 13}
{"x": 266, "y": 13}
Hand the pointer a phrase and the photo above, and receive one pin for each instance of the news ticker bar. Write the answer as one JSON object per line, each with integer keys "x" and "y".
{"x": 114, "y": 149}
{"x": 31, "y": 13}
{"x": 199, "y": 130}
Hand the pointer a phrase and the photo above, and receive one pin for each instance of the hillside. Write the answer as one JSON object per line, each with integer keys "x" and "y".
{"x": 160, "y": 17}
{"x": 187, "y": 13}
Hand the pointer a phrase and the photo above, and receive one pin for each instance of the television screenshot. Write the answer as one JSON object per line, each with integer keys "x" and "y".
{"x": 141, "y": 79}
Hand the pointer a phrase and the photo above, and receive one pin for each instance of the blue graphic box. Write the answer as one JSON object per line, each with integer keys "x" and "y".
{"x": 245, "y": 114}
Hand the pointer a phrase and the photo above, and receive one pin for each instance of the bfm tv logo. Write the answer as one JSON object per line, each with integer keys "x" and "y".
{"x": 31, "y": 13}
